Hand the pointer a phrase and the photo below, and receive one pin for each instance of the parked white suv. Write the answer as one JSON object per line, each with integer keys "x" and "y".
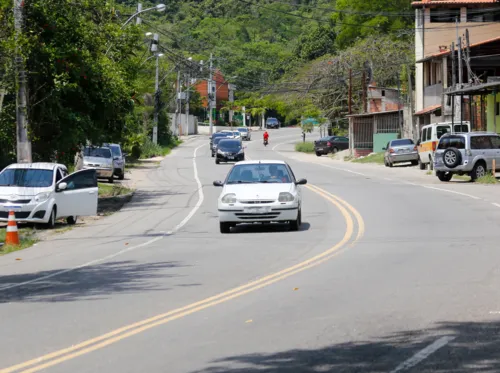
{"x": 44, "y": 192}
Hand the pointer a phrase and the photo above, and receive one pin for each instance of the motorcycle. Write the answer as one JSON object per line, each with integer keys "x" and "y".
{"x": 265, "y": 142}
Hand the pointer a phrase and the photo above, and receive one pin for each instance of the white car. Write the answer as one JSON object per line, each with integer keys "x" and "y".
{"x": 260, "y": 191}
{"x": 237, "y": 135}
{"x": 44, "y": 192}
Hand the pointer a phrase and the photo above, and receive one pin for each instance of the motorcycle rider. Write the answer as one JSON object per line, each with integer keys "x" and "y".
{"x": 266, "y": 137}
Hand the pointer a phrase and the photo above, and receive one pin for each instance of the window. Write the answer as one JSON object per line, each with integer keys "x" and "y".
{"x": 59, "y": 175}
{"x": 495, "y": 141}
{"x": 230, "y": 145}
{"x": 441, "y": 130}
{"x": 115, "y": 149}
{"x": 445, "y": 15}
{"x": 424, "y": 134}
{"x": 259, "y": 173}
{"x": 480, "y": 142}
{"x": 343, "y": 139}
{"x": 483, "y": 15}
{"x": 97, "y": 152}
{"x": 429, "y": 133}
{"x": 81, "y": 180}
{"x": 452, "y": 142}
{"x": 24, "y": 177}
{"x": 461, "y": 128}
{"x": 402, "y": 142}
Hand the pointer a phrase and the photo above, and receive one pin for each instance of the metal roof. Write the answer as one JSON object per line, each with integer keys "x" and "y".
{"x": 475, "y": 89}
{"x": 428, "y": 109}
{"x": 422, "y": 3}
{"x": 447, "y": 52}
{"x": 377, "y": 113}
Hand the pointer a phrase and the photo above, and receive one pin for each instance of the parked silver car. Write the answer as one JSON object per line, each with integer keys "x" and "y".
{"x": 101, "y": 159}
{"x": 118, "y": 160}
{"x": 399, "y": 151}
{"x": 245, "y": 133}
{"x": 466, "y": 154}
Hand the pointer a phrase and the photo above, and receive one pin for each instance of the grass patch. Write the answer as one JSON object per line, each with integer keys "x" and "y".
{"x": 112, "y": 190}
{"x": 304, "y": 147}
{"x": 26, "y": 236}
{"x": 461, "y": 177}
{"x": 167, "y": 149}
{"x": 487, "y": 179}
{"x": 429, "y": 172}
{"x": 372, "y": 158}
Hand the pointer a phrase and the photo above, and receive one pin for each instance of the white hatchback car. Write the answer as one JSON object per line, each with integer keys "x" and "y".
{"x": 260, "y": 191}
{"x": 44, "y": 192}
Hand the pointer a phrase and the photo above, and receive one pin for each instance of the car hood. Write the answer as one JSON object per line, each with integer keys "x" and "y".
{"x": 257, "y": 191}
{"x": 98, "y": 160}
{"x": 16, "y": 193}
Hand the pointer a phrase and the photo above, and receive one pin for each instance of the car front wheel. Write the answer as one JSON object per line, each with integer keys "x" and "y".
{"x": 225, "y": 227}
{"x": 444, "y": 176}
{"x": 295, "y": 224}
{"x": 52, "y": 219}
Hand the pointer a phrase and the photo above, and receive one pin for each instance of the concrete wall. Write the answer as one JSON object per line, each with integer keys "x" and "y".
{"x": 183, "y": 128}
{"x": 490, "y": 112}
{"x": 380, "y": 140}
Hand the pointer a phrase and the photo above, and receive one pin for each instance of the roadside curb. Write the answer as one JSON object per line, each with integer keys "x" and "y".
{"x": 107, "y": 204}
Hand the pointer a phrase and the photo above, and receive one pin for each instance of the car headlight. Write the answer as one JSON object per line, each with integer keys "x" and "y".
{"x": 220, "y": 151}
{"x": 42, "y": 197}
{"x": 241, "y": 151}
{"x": 286, "y": 197}
{"x": 229, "y": 198}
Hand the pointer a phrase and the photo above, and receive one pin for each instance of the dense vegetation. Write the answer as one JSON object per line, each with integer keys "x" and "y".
{"x": 89, "y": 79}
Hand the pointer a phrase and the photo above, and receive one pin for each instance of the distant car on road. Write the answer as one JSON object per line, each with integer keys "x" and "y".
{"x": 100, "y": 159}
{"x": 272, "y": 123}
{"x": 44, "y": 192}
{"x": 260, "y": 191}
{"x": 216, "y": 142}
{"x": 330, "y": 144}
{"x": 229, "y": 150}
{"x": 237, "y": 135}
{"x": 467, "y": 154}
{"x": 399, "y": 151}
{"x": 118, "y": 160}
{"x": 245, "y": 133}
{"x": 218, "y": 134}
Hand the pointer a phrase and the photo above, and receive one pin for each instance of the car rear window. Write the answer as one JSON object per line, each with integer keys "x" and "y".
{"x": 441, "y": 130}
{"x": 97, "y": 152}
{"x": 402, "y": 142}
{"x": 452, "y": 142}
{"x": 461, "y": 128}
{"x": 243, "y": 129}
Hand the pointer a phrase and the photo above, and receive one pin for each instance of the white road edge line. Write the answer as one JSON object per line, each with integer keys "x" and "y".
{"x": 201, "y": 197}
{"x": 496, "y": 204}
{"x": 423, "y": 354}
{"x": 451, "y": 191}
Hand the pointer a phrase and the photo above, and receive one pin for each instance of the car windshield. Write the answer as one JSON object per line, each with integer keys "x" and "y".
{"x": 97, "y": 152}
{"x": 259, "y": 173}
{"x": 218, "y": 139}
{"x": 272, "y": 120}
{"x": 452, "y": 142}
{"x": 26, "y": 177}
{"x": 243, "y": 129}
{"x": 229, "y": 145}
{"x": 116, "y": 151}
{"x": 402, "y": 142}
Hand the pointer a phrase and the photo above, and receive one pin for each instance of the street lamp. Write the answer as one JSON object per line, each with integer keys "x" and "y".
{"x": 159, "y": 8}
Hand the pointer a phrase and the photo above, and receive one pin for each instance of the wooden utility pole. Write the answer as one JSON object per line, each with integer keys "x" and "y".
{"x": 460, "y": 71}
{"x": 410, "y": 101}
{"x": 350, "y": 93}
{"x": 363, "y": 82}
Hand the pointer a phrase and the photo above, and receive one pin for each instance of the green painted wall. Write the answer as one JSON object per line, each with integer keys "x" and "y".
{"x": 490, "y": 110}
{"x": 380, "y": 140}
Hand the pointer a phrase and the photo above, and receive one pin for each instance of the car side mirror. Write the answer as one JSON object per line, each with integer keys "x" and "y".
{"x": 301, "y": 182}
{"x": 61, "y": 187}
{"x": 218, "y": 183}
{"x": 418, "y": 142}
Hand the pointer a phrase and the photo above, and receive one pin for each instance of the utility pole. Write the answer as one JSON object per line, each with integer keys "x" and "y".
{"x": 138, "y": 20}
{"x": 410, "y": 100}
{"x": 350, "y": 92}
{"x": 177, "y": 103}
{"x": 467, "y": 56}
{"x": 154, "y": 49}
{"x": 460, "y": 81}
{"x": 363, "y": 86}
{"x": 211, "y": 91}
{"x": 23, "y": 141}
{"x": 453, "y": 67}
{"x": 187, "y": 102}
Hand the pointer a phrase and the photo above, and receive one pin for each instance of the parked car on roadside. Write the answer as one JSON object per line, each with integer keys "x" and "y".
{"x": 429, "y": 138}
{"x": 229, "y": 150}
{"x": 245, "y": 133}
{"x": 400, "y": 151}
{"x": 330, "y": 144}
{"x": 119, "y": 160}
{"x": 467, "y": 154}
{"x": 44, "y": 192}
{"x": 100, "y": 159}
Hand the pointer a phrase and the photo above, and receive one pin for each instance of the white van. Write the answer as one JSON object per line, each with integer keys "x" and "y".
{"x": 429, "y": 138}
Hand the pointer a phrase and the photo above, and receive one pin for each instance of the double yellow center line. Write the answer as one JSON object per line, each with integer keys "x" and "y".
{"x": 353, "y": 220}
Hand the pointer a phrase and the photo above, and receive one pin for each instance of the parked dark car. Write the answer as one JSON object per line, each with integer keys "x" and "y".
{"x": 330, "y": 144}
{"x": 229, "y": 150}
{"x": 213, "y": 145}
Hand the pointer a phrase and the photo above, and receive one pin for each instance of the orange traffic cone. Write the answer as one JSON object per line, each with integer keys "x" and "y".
{"x": 12, "y": 236}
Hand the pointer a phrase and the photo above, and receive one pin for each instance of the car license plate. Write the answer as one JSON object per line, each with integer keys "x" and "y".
{"x": 230, "y": 157}
{"x": 320, "y": 149}
{"x": 256, "y": 210}
{"x": 12, "y": 207}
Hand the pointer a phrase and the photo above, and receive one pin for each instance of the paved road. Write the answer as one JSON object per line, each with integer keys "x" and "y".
{"x": 384, "y": 276}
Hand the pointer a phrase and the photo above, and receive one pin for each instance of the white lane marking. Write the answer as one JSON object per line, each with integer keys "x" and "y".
{"x": 451, "y": 191}
{"x": 343, "y": 169}
{"x": 494, "y": 312}
{"x": 423, "y": 354}
{"x": 201, "y": 197}
{"x": 496, "y": 204}
{"x": 386, "y": 178}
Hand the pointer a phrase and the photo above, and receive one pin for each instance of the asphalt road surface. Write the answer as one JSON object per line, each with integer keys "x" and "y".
{"x": 384, "y": 276}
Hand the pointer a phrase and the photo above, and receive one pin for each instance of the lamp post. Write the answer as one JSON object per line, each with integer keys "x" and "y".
{"x": 159, "y": 8}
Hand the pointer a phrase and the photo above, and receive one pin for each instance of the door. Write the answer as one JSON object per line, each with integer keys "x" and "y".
{"x": 80, "y": 196}
{"x": 495, "y": 143}
{"x": 481, "y": 148}
{"x": 343, "y": 143}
